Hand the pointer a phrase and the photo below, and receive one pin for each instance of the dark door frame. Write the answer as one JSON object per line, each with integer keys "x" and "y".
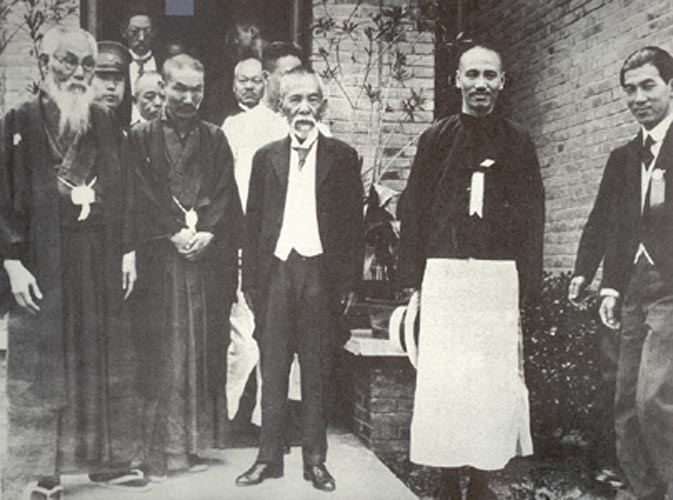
{"x": 300, "y": 20}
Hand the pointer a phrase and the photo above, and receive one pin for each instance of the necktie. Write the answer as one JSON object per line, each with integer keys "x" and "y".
{"x": 646, "y": 154}
{"x": 141, "y": 65}
{"x": 302, "y": 153}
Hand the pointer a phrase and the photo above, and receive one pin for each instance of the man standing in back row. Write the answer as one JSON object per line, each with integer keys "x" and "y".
{"x": 471, "y": 245}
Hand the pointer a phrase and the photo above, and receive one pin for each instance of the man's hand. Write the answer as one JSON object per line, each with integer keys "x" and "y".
{"x": 181, "y": 239}
{"x": 347, "y": 301}
{"x": 197, "y": 245}
{"x": 24, "y": 286}
{"x": 129, "y": 274}
{"x": 608, "y": 312}
{"x": 576, "y": 290}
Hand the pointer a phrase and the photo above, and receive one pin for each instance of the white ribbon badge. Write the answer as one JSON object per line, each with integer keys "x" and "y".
{"x": 477, "y": 189}
{"x": 191, "y": 217}
{"x": 82, "y": 196}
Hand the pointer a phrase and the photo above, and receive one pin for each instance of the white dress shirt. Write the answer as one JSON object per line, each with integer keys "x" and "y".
{"x": 299, "y": 230}
{"x": 657, "y": 134}
{"x": 246, "y": 133}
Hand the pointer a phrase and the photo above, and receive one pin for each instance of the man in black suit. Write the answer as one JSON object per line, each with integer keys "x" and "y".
{"x": 302, "y": 260}
{"x": 139, "y": 31}
{"x": 638, "y": 277}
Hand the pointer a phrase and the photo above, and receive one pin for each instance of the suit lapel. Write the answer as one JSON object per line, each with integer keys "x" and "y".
{"x": 633, "y": 174}
{"x": 281, "y": 162}
{"x": 665, "y": 157}
{"x": 324, "y": 159}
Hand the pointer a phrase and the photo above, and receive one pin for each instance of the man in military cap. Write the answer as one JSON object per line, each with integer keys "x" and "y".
{"x": 111, "y": 82}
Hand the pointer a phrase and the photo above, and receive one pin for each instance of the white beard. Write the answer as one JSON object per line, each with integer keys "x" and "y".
{"x": 74, "y": 107}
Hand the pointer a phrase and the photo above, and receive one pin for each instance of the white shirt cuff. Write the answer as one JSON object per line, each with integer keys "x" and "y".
{"x": 609, "y": 292}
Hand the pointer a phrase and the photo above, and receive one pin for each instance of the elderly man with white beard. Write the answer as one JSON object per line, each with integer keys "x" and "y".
{"x": 66, "y": 248}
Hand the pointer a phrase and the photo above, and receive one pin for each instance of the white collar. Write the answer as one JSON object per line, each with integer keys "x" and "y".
{"x": 138, "y": 58}
{"x": 659, "y": 131}
{"x": 308, "y": 142}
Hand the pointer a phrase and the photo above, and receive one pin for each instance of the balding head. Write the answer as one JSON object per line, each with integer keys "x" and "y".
{"x": 149, "y": 95}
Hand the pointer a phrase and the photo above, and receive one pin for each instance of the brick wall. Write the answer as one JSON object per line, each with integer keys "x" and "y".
{"x": 563, "y": 59}
{"x": 18, "y": 64}
{"x": 379, "y": 401}
{"x": 383, "y": 127}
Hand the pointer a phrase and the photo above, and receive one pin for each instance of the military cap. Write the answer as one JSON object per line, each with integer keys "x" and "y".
{"x": 113, "y": 57}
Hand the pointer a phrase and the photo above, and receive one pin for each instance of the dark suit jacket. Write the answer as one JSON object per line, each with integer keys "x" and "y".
{"x": 593, "y": 242}
{"x": 626, "y": 227}
{"x": 339, "y": 199}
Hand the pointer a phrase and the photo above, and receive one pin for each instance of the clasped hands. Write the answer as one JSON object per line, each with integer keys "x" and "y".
{"x": 191, "y": 245}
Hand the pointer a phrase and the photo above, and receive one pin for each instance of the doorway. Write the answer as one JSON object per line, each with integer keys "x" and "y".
{"x": 203, "y": 32}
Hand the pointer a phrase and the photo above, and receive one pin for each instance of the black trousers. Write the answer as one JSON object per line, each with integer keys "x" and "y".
{"x": 644, "y": 393}
{"x": 298, "y": 318}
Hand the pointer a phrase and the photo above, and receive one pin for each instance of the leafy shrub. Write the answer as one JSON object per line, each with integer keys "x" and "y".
{"x": 562, "y": 352}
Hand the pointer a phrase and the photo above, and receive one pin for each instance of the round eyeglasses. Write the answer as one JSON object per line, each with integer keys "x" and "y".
{"x": 70, "y": 63}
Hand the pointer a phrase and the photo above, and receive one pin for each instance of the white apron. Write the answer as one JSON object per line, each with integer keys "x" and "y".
{"x": 471, "y": 401}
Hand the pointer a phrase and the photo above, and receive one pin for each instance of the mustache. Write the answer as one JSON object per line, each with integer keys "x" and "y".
{"x": 304, "y": 118}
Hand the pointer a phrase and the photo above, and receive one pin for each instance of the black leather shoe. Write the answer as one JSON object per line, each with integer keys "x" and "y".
{"x": 258, "y": 473}
{"x": 320, "y": 477}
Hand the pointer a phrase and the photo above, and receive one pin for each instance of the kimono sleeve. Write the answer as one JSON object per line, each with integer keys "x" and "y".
{"x": 14, "y": 189}
{"x": 224, "y": 217}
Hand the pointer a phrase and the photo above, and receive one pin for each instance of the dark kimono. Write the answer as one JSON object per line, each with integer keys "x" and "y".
{"x": 183, "y": 306}
{"x": 70, "y": 366}
{"x": 434, "y": 207}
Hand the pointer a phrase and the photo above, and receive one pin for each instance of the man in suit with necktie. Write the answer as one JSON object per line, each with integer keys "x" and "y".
{"x": 302, "y": 260}
{"x": 139, "y": 31}
{"x": 637, "y": 285}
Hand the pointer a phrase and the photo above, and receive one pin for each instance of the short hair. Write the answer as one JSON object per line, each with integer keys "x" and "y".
{"x": 243, "y": 60}
{"x": 656, "y": 56}
{"x": 277, "y": 50}
{"x": 144, "y": 76}
{"x": 138, "y": 8}
{"x": 53, "y": 36}
{"x": 300, "y": 71}
{"x": 179, "y": 62}
{"x": 482, "y": 44}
